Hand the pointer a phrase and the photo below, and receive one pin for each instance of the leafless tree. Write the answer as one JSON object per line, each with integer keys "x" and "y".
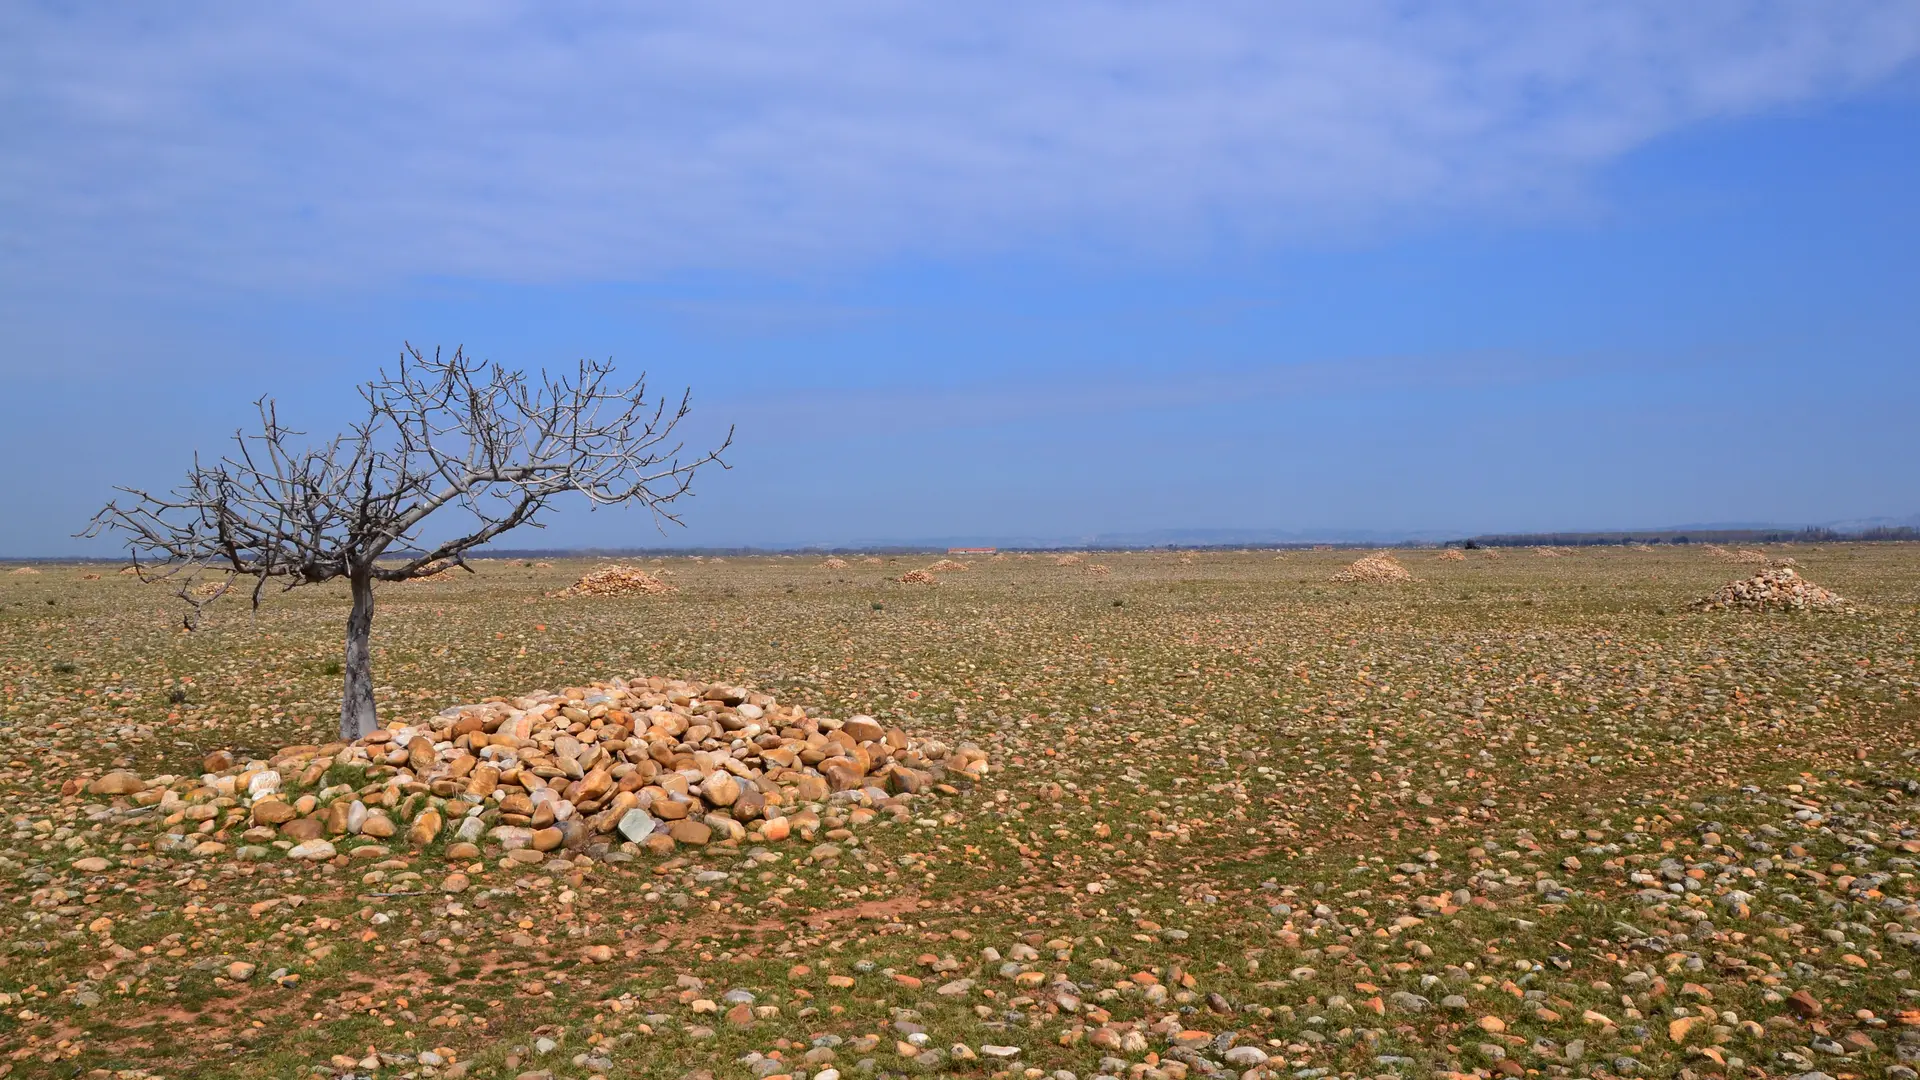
{"x": 473, "y": 442}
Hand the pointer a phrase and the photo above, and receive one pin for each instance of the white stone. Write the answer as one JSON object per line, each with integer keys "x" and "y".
{"x": 312, "y": 850}
{"x": 636, "y": 825}
{"x": 263, "y": 783}
{"x": 512, "y": 837}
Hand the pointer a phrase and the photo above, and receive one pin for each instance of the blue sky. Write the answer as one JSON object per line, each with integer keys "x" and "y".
{"x": 998, "y": 270}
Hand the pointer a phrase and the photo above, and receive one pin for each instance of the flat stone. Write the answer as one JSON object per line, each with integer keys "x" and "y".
{"x": 117, "y": 783}
{"x": 312, "y": 850}
{"x": 690, "y": 832}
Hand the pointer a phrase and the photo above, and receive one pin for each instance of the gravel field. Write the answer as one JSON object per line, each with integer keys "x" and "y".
{"x": 1219, "y": 814}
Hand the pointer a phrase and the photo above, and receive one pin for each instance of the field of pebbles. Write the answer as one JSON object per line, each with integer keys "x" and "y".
{"x": 1204, "y": 815}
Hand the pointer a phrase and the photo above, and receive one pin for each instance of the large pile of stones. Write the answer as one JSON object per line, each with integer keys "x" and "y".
{"x": 1377, "y": 568}
{"x": 1779, "y": 587}
{"x": 617, "y": 580}
{"x": 652, "y": 763}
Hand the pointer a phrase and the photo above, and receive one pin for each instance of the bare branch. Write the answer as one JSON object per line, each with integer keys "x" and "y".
{"x": 441, "y": 430}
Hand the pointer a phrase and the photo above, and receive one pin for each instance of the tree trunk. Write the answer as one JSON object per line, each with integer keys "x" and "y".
{"x": 357, "y": 716}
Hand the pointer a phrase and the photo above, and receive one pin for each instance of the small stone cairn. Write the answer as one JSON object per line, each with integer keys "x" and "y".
{"x": 1776, "y": 587}
{"x": 617, "y": 580}
{"x": 1377, "y": 569}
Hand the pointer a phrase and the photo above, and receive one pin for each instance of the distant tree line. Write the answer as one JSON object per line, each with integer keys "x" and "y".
{"x": 1817, "y": 535}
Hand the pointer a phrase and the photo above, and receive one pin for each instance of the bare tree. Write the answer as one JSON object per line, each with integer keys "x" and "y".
{"x": 471, "y": 441}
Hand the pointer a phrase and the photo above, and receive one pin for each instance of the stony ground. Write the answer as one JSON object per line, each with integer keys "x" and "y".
{"x": 1523, "y": 816}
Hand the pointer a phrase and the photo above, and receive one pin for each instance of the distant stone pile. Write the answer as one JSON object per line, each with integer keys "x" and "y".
{"x": 917, "y": 577}
{"x": 1778, "y": 587}
{"x": 651, "y": 762}
{"x": 1452, "y": 555}
{"x": 1376, "y": 569}
{"x": 834, "y": 562}
{"x": 617, "y": 580}
{"x": 949, "y": 566}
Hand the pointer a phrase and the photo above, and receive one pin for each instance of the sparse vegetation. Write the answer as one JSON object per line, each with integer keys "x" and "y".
{"x": 1533, "y": 814}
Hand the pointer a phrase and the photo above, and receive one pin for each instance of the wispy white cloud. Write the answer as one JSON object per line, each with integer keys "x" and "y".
{"x": 288, "y": 144}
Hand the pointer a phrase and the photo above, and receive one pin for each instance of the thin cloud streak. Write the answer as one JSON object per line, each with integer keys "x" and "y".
{"x": 286, "y": 146}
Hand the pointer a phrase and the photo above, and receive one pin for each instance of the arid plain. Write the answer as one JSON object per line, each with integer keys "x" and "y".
{"x": 1530, "y": 814}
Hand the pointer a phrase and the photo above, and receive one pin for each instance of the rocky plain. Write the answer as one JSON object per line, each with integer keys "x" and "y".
{"x": 1159, "y": 815}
